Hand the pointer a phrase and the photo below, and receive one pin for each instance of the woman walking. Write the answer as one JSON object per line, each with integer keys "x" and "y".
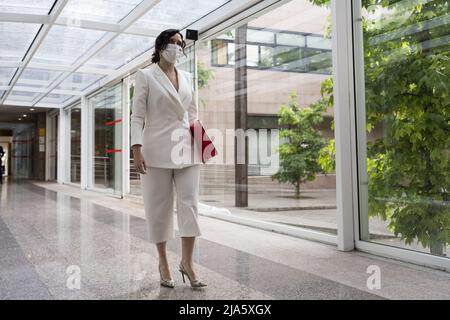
{"x": 164, "y": 104}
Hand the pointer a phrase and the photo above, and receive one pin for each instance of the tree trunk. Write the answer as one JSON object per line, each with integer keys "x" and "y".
{"x": 436, "y": 246}
{"x": 297, "y": 190}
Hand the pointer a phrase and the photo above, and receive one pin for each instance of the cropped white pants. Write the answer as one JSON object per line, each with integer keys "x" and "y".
{"x": 157, "y": 191}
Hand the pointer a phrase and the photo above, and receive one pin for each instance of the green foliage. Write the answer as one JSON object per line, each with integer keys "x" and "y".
{"x": 327, "y": 157}
{"x": 298, "y": 156}
{"x": 204, "y": 75}
{"x": 406, "y": 86}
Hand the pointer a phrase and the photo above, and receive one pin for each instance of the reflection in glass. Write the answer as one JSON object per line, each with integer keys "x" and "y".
{"x": 107, "y": 129}
{"x": 405, "y": 202}
{"x": 248, "y": 75}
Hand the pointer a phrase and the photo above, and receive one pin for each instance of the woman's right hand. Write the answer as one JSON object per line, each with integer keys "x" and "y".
{"x": 139, "y": 161}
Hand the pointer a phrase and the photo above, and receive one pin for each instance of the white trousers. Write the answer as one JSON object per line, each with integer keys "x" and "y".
{"x": 157, "y": 191}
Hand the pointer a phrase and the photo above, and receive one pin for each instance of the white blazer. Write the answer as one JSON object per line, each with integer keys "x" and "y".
{"x": 158, "y": 110}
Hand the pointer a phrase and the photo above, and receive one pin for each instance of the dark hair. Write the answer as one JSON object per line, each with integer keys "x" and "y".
{"x": 162, "y": 40}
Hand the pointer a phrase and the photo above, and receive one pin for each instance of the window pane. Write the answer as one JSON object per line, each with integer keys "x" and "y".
{"x": 318, "y": 42}
{"x": 252, "y": 55}
{"x": 260, "y": 36}
{"x": 405, "y": 128}
{"x": 284, "y": 55}
{"x": 219, "y": 52}
{"x": 266, "y": 57}
{"x": 257, "y": 90}
{"x": 107, "y": 139}
{"x": 231, "y": 53}
{"x": 291, "y": 39}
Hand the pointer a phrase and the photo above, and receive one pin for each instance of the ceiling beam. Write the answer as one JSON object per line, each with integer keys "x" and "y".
{"x": 54, "y": 67}
{"x": 25, "y": 18}
{"x": 72, "y": 22}
{"x": 42, "y": 90}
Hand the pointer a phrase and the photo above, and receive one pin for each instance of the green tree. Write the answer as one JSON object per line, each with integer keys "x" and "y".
{"x": 299, "y": 155}
{"x": 406, "y": 80}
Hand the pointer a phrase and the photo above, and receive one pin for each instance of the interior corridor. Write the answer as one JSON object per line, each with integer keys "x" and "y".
{"x": 52, "y": 235}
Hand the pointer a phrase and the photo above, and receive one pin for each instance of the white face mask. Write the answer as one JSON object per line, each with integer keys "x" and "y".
{"x": 172, "y": 53}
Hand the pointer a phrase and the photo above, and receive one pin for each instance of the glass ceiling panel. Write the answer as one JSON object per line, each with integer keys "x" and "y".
{"x": 52, "y": 98}
{"x": 22, "y": 96}
{"x": 79, "y": 81}
{"x": 38, "y": 76}
{"x": 121, "y": 50}
{"x": 15, "y": 39}
{"x": 64, "y": 45}
{"x": 26, "y": 6}
{"x": 111, "y": 11}
{"x": 5, "y": 76}
{"x": 177, "y": 14}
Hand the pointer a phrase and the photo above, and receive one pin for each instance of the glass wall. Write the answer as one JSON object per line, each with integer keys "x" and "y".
{"x": 405, "y": 128}
{"x": 22, "y": 151}
{"x": 74, "y": 119}
{"x": 270, "y": 80}
{"x": 106, "y": 127}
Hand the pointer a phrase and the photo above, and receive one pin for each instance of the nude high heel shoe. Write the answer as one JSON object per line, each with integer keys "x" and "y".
{"x": 165, "y": 283}
{"x": 194, "y": 283}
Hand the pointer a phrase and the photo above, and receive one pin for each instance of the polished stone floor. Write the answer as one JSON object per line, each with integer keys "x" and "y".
{"x": 59, "y": 243}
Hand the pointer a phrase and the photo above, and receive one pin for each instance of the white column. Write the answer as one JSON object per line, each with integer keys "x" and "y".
{"x": 346, "y": 196}
{"x": 48, "y": 134}
{"x": 125, "y": 136}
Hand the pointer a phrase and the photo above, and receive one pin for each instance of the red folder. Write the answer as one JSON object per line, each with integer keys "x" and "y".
{"x": 198, "y": 133}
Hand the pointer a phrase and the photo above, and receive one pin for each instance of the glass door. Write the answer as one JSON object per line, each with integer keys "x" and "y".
{"x": 106, "y": 138}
